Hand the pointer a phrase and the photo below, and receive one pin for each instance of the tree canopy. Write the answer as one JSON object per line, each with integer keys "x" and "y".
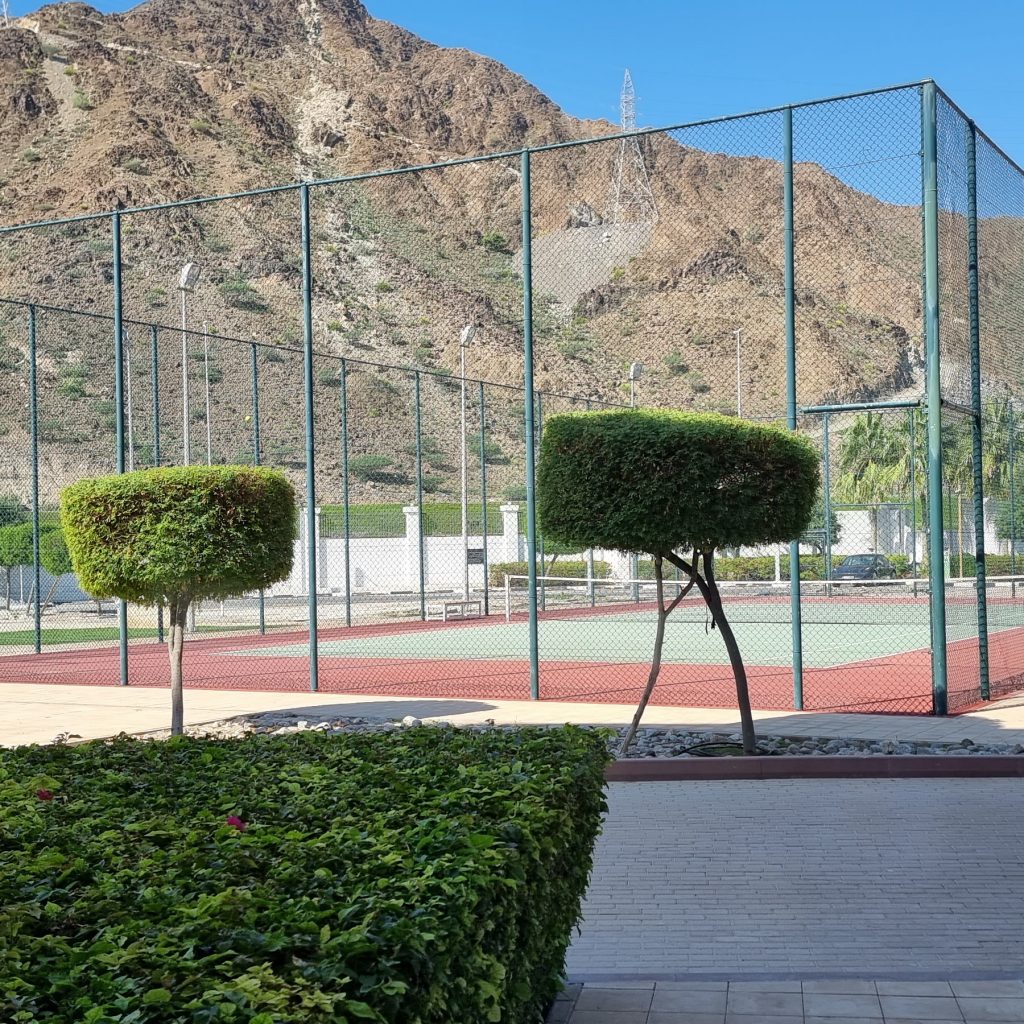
{"x": 655, "y": 481}
{"x": 157, "y": 535}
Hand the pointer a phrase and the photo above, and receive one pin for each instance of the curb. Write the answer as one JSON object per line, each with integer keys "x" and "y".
{"x": 906, "y": 766}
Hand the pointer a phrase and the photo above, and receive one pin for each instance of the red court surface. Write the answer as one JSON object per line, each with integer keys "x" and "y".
{"x": 895, "y": 683}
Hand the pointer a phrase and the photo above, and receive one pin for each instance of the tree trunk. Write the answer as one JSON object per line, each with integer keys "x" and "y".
{"x": 178, "y": 616}
{"x": 652, "y": 678}
{"x": 8, "y": 588}
{"x": 714, "y": 600}
{"x": 53, "y": 588}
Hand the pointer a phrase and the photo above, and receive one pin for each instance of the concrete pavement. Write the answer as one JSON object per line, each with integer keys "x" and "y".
{"x": 31, "y": 713}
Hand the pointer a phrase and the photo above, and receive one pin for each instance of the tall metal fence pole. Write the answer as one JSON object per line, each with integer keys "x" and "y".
{"x": 421, "y": 559}
{"x": 483, "y": 501}
{"x": 122, "y": 607}
{"x": 790, "y": 317}
{"x": 936, "y": 550}
{"x": 913, "y": 495}
{"x": 307, "y": 350}
{"x": 826, "y": 487}
{"x": 256, "y": 457}
{"x": 528, "y": 398}
{"x": 977, "y": 426}
{"x": 346, "y": 513}
{"x": 33, "y": 414}
{"x": 1011, "y": 426}
{"x": 540, "y": 540}
{"x": 154, "y": 381}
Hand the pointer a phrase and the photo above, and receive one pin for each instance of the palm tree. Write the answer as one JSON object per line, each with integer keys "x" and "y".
{"x": 869, "y": 466}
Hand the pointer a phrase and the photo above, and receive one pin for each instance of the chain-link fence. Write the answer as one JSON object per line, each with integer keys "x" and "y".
{"x": 395, "y": 341}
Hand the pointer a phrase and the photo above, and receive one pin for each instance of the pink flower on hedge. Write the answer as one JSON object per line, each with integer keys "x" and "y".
{"x": 235, "y": 822}
{"x": 44, "y": 794}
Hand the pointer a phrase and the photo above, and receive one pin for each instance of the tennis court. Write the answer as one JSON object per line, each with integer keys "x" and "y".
{"x": 865, "y": 648}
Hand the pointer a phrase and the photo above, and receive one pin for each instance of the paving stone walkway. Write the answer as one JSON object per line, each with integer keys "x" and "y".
{"x": 820, "y": 1001}
{"x": 805, "y": 879}
{"x": 34, "y": 713}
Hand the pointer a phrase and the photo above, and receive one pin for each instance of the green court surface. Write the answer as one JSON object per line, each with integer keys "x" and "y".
{"x": 618, "y": 639}
{"x": 835, "y": 631}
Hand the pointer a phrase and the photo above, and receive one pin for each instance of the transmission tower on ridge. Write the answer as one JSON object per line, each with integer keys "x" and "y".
{"x": 632, "y": 200}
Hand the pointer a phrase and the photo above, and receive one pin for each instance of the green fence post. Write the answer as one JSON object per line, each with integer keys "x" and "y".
{"x": 790, "y": 318}
{"x": 913, "y": 495}
{"x": 1013, "y": 493}
{"x": 977, "y": 426}
{"x": 826, "y": 487}
{"x": 122, "y": 607}
{"x": 154, "y": 381}
{"x": 588, "y": 406}
{"x": 33, "y": 412}
{"x": 419, "y": 502}
{"x": 531, "y": 499}
{"x": 540, "y": 539}
{"x": 344, "y": 492}
{"x": 483, "y": 500}
{"x": 936, "y": 551}
{"x": 307, "y": 350}
{"x": 256, "y": 456}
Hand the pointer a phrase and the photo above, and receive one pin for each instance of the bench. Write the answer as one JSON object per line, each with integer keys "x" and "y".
{"x": 456, "y": 609}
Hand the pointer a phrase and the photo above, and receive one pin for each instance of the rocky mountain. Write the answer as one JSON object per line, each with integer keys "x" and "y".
{"x": 178, "y": 99}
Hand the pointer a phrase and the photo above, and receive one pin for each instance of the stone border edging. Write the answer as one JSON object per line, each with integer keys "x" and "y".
{"x": 905, "y": 766}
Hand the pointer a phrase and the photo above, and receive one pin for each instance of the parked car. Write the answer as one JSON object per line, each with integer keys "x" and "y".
{"x": 864, "y": 567}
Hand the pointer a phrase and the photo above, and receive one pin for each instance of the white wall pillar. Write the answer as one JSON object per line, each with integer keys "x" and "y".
{"x": 511, "y": 542}
{"x": 412, "y": 547}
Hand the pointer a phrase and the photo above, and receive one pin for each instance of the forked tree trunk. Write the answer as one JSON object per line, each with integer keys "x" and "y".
{"x": 708, "y": 587}
{"x": 659, "y": 643}
{"x": 53, "y": 589}
{"x": 714, "y": 600}
{"x": 178, "y": 614}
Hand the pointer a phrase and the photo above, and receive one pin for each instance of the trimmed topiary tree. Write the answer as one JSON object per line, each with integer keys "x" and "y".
{"x": 659, "y": 482}
{"x": 54, "y": 558}
{"x": 15, "y": 550}
{"x": 176, "y": 535}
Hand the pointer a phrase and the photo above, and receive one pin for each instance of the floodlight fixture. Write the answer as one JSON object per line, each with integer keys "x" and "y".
{"x": 189, "y": 277}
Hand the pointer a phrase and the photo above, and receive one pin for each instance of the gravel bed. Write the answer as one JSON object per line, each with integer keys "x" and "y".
{"x": 650, "y": 742}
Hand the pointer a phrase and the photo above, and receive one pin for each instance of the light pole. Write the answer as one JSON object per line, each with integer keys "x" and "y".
{"x": 635, "y": 369}
{"x": 128, "y": 400}
{"x": 206, "y": 374}
{"x": 465, "y": 337}
{"x": 187, "y": 282}
{"x": 739, "y": 400}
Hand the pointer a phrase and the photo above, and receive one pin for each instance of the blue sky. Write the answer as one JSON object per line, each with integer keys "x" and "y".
{"x": 693, "y": 60}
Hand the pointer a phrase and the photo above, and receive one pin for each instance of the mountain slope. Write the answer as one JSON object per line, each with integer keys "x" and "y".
{"x": 175, "y": 99}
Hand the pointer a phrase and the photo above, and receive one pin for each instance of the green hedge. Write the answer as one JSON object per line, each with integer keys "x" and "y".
{"x": 995, "y": 565}
{"x": 762, "y": 567}
{"x": 431, "y": 875}
{"x": 577, "y": 569}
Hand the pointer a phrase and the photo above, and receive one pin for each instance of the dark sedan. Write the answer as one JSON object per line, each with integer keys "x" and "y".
{"x": 864, "y": 567}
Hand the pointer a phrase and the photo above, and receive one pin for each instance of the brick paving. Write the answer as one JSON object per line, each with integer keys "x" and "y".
{"x": 820, "y": 1001}
{"x": 36, "y": 713}
{"x": 804, "y": 902}
{"x": 806, "y": 878}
